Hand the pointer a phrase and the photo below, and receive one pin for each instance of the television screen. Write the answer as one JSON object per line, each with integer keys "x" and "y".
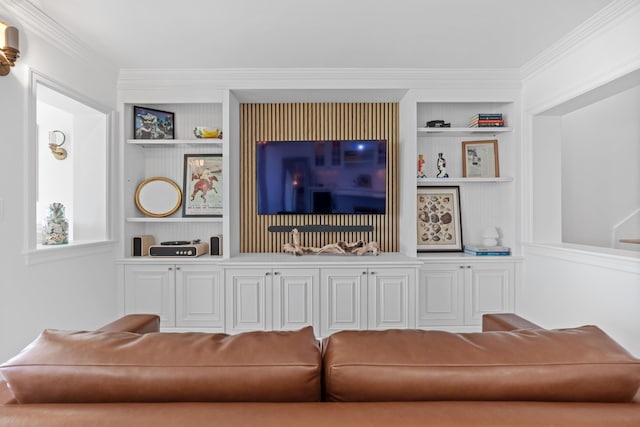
{"x": 321, "y": 177}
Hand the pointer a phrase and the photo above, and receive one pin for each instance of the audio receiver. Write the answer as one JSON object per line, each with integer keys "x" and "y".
{"x": 189, "y": 250}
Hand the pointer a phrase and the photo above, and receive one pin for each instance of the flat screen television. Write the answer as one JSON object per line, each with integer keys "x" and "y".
{"x": 321, "y": 177}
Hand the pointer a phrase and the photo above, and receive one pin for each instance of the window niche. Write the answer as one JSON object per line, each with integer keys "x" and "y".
{"x": 68, "y": 160}
{"x": 585, "y": 156}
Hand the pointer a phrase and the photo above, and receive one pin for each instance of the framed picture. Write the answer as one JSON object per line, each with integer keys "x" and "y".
{"x": 202, "y": 185}
{"x": 439, "y": 221}
{"x": 480, "y": 159}
{"x": 152, "y": 124}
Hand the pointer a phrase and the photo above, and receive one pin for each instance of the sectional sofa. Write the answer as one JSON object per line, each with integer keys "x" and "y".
{"x": 514, "y": 373}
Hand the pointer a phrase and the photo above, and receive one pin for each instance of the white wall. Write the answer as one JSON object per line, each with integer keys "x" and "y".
{"x": 600, "y": 168}
{"x": 73, "y": 293}
{"x": 563, "y": 289}
{"x": 565, "y": 285}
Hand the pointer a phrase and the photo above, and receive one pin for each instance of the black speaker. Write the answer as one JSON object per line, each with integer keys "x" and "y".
{"x": 215, "y": 246}
{"x": 140, "y": 245}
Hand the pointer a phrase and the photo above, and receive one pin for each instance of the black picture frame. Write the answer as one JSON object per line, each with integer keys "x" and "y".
{"x": 439, "y": 219}
{"x": 149, "y": 123}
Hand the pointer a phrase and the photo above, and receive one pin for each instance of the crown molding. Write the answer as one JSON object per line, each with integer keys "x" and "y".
{"x": 609, "y": 16}
{"x": 321, "y": 78}
{"x": 39, "y": 23}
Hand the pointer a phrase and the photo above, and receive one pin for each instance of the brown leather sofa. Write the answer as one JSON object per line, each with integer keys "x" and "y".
{"x": 512, "y": 374}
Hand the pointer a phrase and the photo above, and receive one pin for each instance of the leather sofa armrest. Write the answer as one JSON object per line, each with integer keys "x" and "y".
{"x": 138, "y": 323}
{"x": 506, "y": 322}
{"x": 5, "y": 394}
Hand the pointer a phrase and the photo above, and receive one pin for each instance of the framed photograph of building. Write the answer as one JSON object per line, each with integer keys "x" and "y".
{"x": 480, "y": 159}
{"x": 202, "y": 185}
{"x": 152, "y": 124}
{"x": 439, "y": 227}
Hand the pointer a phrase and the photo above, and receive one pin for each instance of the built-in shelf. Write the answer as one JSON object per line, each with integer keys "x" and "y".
{"x": 462, "y": 131}
{"x": 445, "y": 181}
{"x": 174, "y": 219}
{"x": 174, "y": 142}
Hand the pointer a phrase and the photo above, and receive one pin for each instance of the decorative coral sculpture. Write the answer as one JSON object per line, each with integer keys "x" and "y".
{"x": 55, "y": 228}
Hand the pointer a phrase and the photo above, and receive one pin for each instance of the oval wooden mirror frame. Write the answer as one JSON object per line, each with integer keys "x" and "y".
{"x": 158, "y": 197}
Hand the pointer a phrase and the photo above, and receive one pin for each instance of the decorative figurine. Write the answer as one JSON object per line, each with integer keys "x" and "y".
{"x": 55, "y": 228}
{"x": 490, "y": 236}
{"x": 442, "y": 167}
{"x": 421, "y": 173}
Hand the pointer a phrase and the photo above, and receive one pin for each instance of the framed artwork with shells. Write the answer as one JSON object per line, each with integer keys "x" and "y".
{"x": 439, "y": 227}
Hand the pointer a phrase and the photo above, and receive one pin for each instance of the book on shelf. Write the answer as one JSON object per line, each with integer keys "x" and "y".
{"x": 487, "y": 250}
{"x": 487, "y": 253}
{"x": 487, "y": 116}
{"x": 486, "y": 120}
{"x": 487, "y": 123}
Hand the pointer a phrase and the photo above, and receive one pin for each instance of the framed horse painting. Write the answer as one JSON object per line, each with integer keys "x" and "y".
{"x": 202, "y": 185}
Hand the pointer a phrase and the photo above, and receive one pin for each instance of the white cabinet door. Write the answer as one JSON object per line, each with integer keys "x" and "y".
{"x": 150, "y": 289}
{"x": 489, "y": 288}
{"x": 389, "y": 290}
{"x": 343, "y": 299}
{"x": 199, "y": 297}
{"x": 248, "y": 299}
{"x": 296, "y": 298}
{"x": 440, "y": 290}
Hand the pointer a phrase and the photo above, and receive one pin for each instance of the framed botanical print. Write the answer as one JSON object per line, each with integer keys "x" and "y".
{"x": 202, "y": 185}
{"x": 439, "y": 225}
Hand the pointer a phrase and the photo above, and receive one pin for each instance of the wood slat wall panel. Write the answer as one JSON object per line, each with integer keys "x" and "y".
{"x": 317, "y": 121}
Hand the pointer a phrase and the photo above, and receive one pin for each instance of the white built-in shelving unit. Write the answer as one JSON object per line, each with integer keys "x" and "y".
{"x": 485, "y": 202}
{"x": 143, "y": 159}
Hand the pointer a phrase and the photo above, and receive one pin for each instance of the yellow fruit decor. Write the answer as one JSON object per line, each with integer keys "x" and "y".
{"x": 205, "y": 132}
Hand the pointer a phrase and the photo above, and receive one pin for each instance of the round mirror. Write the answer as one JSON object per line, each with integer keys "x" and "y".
{"x": 158, "y": 197}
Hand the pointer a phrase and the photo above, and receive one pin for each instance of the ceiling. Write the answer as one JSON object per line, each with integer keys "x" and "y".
{"x": 321, "y": 33}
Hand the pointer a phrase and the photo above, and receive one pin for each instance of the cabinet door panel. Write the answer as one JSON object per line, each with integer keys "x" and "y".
{"x": 344, "y": 300}
{"x": 199, "y": 297}
{"x": 150, "y": 289}
{"x": 389, "y": 298}
{"x": 296, "y": 301}
{"x": 246, "y": 295}
{"x": 440, "y": 296}
{"x": 489, "y": 290}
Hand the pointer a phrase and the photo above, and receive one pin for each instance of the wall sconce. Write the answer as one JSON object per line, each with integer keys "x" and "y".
{"x": 56, "y": 140}
{"x": 10, "y": 48}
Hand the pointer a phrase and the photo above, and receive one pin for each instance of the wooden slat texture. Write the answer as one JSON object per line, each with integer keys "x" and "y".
{"x": 318, "y": 121}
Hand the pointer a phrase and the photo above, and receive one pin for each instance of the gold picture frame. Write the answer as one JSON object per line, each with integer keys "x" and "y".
{"x": 480, "y": 159}
{"x": 158, "y": 197}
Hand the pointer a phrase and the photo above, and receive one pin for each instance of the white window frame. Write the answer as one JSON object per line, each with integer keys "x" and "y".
{"x": 36, "y": 254}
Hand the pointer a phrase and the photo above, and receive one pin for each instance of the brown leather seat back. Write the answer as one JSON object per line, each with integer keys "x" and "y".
{"x": 62, "y": 366}
{"x": 581, "y": 364}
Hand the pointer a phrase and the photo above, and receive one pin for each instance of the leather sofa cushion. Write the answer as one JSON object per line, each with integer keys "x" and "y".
{"x": 581, "y": 364}
{"x": 63, "y": 366}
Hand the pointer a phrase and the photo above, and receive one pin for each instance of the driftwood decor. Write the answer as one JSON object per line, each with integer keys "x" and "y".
{"x": 357, "y": 248}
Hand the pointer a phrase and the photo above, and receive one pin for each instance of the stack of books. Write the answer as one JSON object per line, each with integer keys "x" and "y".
{"x": 487, "y": 250}
{"x": 484, "y": 120}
